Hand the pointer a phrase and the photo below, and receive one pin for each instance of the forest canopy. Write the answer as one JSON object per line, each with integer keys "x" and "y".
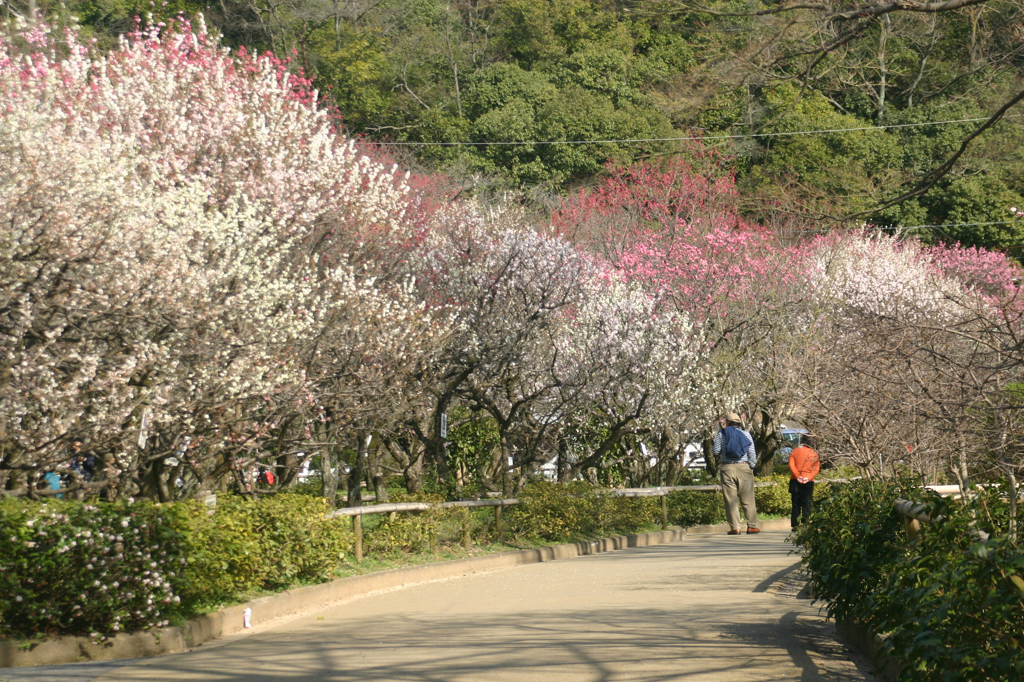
{"x": 546, "y": 94}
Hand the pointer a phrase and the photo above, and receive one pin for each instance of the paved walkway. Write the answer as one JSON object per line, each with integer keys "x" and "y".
{"x": 711, "y": 608}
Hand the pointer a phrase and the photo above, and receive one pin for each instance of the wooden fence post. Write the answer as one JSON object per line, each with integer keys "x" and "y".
{"x": 664, "y": 512}
{"x": 914, "y": 515}
{"x": 913, "y": 528}
{"x": 357, "y": 526}
{"x": 497, "y": 520}
{"x": 467, "y": 540}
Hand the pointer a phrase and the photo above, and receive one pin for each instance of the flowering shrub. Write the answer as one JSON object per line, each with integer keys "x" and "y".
{"x": 99, "y": 569}
{"x": 74, "y": 568}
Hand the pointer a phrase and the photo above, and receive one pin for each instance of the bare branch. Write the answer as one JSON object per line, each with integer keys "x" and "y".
{"x": 940, "y": 171}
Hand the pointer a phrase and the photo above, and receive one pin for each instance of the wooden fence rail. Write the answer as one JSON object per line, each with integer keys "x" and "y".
{"x": 914, "y": 514}
{"x": 357, "y": 513}
{"x": 663, "y": 492}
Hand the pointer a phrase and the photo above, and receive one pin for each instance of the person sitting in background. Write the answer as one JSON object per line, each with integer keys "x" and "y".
{"x": 804, "y": 465}
{"x": 83, "y": 465}
{"x": 52, "y": 479}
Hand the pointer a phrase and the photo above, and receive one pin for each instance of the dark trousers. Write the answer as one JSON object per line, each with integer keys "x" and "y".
{"x": 801, "y": 493}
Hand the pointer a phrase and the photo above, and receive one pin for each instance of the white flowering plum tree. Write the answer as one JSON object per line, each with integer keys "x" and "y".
{"x": 178, "y": 221}
{"x": 628, "y": 371}
{"x": 854, "y": 394}
{"x": 919, "y": 357}
{"x": 509, "y": 288}
{"x": 367, "y": 359}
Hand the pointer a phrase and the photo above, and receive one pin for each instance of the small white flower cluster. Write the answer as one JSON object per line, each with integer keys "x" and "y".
{"x": 108, "y": 581}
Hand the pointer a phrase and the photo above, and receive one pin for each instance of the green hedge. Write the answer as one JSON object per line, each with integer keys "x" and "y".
{"x": 573, "y": 511}
{"x": 97, "y": 569}
{"x": 565, "y": 512}
{"x": 411, "y": 531}
{"x": 76, "y": 568}
{"x": 950, "y": 605}
{"x": 695, "y": 508}
{"x": 246, "y": 546}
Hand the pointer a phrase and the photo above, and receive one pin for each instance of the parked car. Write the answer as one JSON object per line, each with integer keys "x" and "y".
{"x": 789, "y": 434}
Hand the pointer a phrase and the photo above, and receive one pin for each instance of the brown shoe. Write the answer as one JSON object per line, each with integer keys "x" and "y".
{"x": 751, "y": 531}
{"x": 733, "y": 532}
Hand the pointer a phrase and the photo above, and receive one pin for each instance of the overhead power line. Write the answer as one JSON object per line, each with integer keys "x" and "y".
{"x": 996, "y": 222}
{"x": 918, "y": 227}
{"x": 691, "y": 138}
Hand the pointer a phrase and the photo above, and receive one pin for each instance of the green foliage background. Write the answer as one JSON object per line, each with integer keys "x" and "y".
{"x": 572, "y": 71}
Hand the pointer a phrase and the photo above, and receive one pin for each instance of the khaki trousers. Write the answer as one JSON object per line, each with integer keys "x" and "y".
{"x": 738, "y": 486}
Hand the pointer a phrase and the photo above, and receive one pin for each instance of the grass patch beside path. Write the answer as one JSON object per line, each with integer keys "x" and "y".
{"x": 454, "y": 553}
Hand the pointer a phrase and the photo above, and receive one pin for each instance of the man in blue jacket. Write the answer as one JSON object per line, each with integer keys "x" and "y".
{"x": 736, "y": 471}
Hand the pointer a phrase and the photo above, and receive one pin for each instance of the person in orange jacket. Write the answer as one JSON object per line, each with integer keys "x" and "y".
{"x": 804, "y": 465}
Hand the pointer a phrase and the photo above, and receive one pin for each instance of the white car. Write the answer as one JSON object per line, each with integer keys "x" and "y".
{"x": 693, "y": 456}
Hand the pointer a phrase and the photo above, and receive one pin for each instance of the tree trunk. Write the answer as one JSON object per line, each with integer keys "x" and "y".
{"x": 160, "y": 477}
{"x": 408, "y": 452}
{"x": 766, "y": 442}
{"x": 883, "y": 70}
{"x": 490, "y": 470}
{"x": 359, "y": 470}
{"x": 413, "y": 474}
{"x": 285, "y": 465}
{"x": 965, "y": 477}
{"x": 329, "y": 475}
{"x": 506, "y": 465}
{"x": 1011, "y": 479}
{"x": 710, "y": 458}
{"x": 562, "y": 459}
{"x": 380, "y": 489}
{"x": 436, "y": 447}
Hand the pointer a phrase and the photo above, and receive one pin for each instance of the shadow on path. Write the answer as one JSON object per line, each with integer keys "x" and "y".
{"x": 701, "y": 610}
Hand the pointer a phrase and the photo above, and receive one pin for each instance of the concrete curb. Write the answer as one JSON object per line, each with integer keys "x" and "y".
{"x": 866, "y": 641}
{"x": 772, "y": 524}
{"x": 229, "y": 621}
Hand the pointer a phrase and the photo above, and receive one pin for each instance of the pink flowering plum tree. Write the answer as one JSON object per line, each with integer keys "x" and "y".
{"x": 678, "y": 232}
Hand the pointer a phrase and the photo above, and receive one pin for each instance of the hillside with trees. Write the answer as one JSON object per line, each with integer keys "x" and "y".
{"x": 286, "y": 254}
{"x": 540, "y": 96}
